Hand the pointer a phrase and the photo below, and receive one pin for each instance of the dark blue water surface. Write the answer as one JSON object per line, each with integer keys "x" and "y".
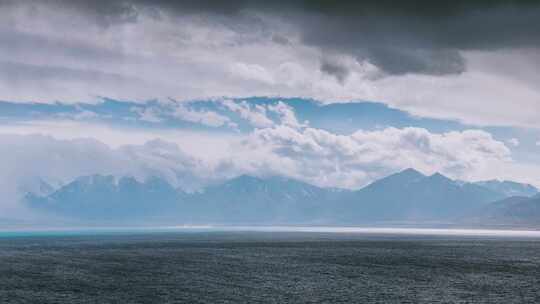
{"x": 266, "y": 267}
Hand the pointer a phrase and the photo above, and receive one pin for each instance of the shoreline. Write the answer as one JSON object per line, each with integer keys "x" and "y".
{"x": 354, "y": 230}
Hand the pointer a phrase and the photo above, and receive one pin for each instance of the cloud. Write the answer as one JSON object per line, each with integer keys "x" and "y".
{"x": 335, "y": 69}
{"x": 168, "y": 161}
{"x": 443, "y": 60}
{"x": 159, "y": 111}
{"x": 63, "y": 160}
{"x": 192, "y": 142}
{"x": 263, "y": 115}
{"x": 328, "y": 159}
{"x": 148, "y": 114}
{"x": 285, "y": 148}
{"x": 27, "y": 158}
{"x": 513, "y": 142}
{"x": 29, "y": 82}
{"x": 305, "y": 153}
{"x": 205, "y": 117}
{"x": 455, "y": 97}
{"x": 285, "y": 114}
{"x": 251, "y": 72}
{"x": 78, "y": 114}
{"x": 254, "y": 114}
{"x": 417, "y": 45}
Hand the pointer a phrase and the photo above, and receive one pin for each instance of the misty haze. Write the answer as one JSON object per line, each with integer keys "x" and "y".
{"x": 247, "y": 151}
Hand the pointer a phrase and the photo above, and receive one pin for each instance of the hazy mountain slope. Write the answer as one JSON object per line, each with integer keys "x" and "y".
{"x": 509, "y": 188}
{"x": 380, "y": 200}
{"x": 514, "y": 210}
{"x": 405, "y": 196}
{"x": 37, "y": 186}
{"x": 410, "y": 195}
{"x": 275, "y": 199}
{"x": 103, "y": 197}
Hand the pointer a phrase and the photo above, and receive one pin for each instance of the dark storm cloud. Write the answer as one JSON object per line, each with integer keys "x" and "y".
{"x": 399, "y": 37}
{"x": 18, "y": 42}
{"x": 14, "y": 73}
{"x": 422, "y": 37}
{"x": 102, "y": 11}
{"x": 335, "y": 69}
{"x": 42, "y": 79}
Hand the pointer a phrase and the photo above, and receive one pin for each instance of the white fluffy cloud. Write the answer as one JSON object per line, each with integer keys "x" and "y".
{"x": 28, "y": 159}
{"x": 255, "y": 114}
{"x": 353, "y": 160}
{"x": 305, "y": 153}
{"x": 286, "y": 115}
{"x": 183, "y": 111}
{"x": 263, "y": 116}
{"x": 148, "y": 114}
{"x": 251, "y": 72}
{"x": 514, "y": 142}
{"x": 205, "y": 117}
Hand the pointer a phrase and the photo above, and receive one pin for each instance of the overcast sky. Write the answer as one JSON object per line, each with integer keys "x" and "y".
{"x": 457, "y": 84}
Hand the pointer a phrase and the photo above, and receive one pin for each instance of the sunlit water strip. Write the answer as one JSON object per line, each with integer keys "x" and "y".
{"x": 389, "y": 231}
{"x": 302, "y": 229}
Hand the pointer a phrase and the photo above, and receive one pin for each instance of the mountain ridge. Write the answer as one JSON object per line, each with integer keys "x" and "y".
{"x": 405, "y": 195}
{"x": 509, "y": 188}
{"x": 514, "y": 210}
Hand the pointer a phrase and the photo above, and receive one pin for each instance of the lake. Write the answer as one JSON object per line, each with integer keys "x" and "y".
{"x": 269, "y": 265}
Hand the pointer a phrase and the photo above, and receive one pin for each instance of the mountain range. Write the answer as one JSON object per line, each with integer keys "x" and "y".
{"x": 410, "y": 195}
{"x": 515, "y": 210}
{"x": 404, "y": 196}
{"x": 100, "y": 197}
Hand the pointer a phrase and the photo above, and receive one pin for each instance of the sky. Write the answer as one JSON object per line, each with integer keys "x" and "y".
{"x": 336, "y": 94}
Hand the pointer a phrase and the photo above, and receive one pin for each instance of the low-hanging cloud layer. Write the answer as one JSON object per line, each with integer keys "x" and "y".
{"x": 472, "y": 61}
{"x": 277, "y": 145}
{"x": 183, "y": 69}
{"x": 329, "y": 159}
